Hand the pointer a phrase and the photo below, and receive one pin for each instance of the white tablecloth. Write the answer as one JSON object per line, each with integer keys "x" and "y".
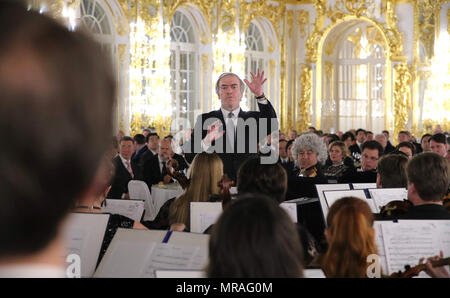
{"x": 163, "y": 193}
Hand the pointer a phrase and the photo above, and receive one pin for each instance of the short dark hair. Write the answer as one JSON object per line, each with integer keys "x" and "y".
{"x": 360, "y": 129}
{"x": 407, "y": 144}
{"x": 372, "y": 145}
{"x": 256, "y": 177}
{"x": 386, "y": 131}
{"x": 430, "y": 174}
{"x": 254, "y": 238}
{"x": 139, "y": 139}
{"x": 151, "y": 135}
{"x": 126, "y": 139}
{"x": 347, "y": 135}
{"x": 64, "y": 83}
{"x": 424, "y": 136}
{"x": 392, "y": 170}
{"x": 438, "y": 138}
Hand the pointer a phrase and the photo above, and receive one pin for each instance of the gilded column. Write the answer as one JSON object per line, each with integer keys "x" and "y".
{"x": 402, "y": 96}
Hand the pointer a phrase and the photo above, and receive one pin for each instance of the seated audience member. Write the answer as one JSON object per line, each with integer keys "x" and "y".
{"x": 155, "y": 169}
{"x": 369, "y": 135}
{"x": 356, "y": 149}
{"x": 284, "y": 159}
{"x": 392, "y": 171}
{"x": 141, "y": 147}
{"x": 292, "y": 135}
{"x": 57, "y": 92}
{"x": 351, "y": 238}
{"x": 348, "y": 138}
{"x": 204, "y": 175}
{"x": 406, "y": 147}
{"x": 125, "y": 170}
{"x": 405, "y": 136}
{"x": 438, "y": 144}
{"x": 330, "y": 138}
{"x": 371, "y": 152}
{"x": 146, "y": 132}
{"x": 387, "y": 147}
{"x": 428, "y": 182}
{"x": 271, "y": 180}
{"x": 425, "y": 142}
{"x": 339, "y": 161}
{"x": 94, "y": 203}
{"x": 254, "y": 238}
{"x": 152, "y": 143}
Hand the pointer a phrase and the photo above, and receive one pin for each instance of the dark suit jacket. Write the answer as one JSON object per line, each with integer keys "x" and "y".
{"x": 138, "y": 154}
{"x": 143, "y": 159}
{"x": 426, "y": 211}
{"x": 231, "y": 161}
{"x": 353, "y": 176}
{"x": 151, "y": 172}
{"x": 121, "y": 178}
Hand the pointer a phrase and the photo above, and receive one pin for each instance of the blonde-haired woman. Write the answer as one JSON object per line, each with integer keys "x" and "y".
{"x": 351, "y": 239}
{"x": 204, "y": 175}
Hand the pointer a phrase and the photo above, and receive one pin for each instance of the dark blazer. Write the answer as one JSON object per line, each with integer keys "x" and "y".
{"x": 426, "y": 211}
{"x": 138, "y": 154}
{"x": 121, "y": 178}
{"x": 353, "y": 176}
{"x": 389, "y": 148}
{"x": 151, "y": 172}
{"x": 231, "y": 161}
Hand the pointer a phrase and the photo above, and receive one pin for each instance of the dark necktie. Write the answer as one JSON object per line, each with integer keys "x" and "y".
{"x": 164, "y": 169}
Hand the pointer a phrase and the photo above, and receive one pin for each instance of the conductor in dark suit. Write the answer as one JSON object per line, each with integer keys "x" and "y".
{"x": 125, "y": 170}
{"x": 232, "y": 133}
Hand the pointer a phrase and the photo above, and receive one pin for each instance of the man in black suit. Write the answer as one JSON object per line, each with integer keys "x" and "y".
{"x": 125, "y": 170}
{"x": 355, "y": 149}
{"x": 371, "y": 152}
{"x": 141, "y": 147}
{"x": 284, "y": 160}
{"x": 155, "y": 168}
{"x": 428, "y": 181}
{"x": 230, "y": 132}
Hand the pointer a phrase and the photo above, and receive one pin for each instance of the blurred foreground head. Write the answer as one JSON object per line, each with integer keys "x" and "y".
{"x": 56, "y": 98}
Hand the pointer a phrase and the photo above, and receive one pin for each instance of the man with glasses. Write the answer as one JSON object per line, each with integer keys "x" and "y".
{"x": 371, "y": 152}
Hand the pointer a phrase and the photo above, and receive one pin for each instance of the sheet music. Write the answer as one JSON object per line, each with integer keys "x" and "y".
{"x": 379, "y": 240}
{"x": 291, "y": 209}
{"x": 382, "y": 196}
{"x": 130, "y": 208}
{"x": 407, "y": 241}
{"x": 204, "y": 214}
{"x": 326, "y": 187}
{"x": 364, "y": 185}
{"x": 333, "y": 196}
{"x": 83, "y": 236}
{"x": 177, "y": 257}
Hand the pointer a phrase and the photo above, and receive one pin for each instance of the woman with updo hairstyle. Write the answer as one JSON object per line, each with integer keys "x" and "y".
{"x": 254, "y": 238}
{"x": 351, "y": 239}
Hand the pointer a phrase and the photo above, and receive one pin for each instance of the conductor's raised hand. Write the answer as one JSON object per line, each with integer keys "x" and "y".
{"x": 213, "y": 132}
{"x": 257, "y": 82}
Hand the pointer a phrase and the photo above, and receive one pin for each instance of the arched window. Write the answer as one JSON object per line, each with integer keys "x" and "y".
{"x": 183, "y": 65}
{"x": 255, "y": 57}
{"x": 360, "y": 100}
{"x": 94, "y": 18}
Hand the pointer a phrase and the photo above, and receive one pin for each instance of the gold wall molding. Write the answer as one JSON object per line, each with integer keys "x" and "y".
{"x": 305, "y": 102}
{"x": 402, "y": 96}
{"x": 303, "y": 22}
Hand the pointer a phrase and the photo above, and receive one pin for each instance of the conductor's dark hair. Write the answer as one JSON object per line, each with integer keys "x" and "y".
{"x": 57, "y": 92}
{"x": 256, "y": 177}
{"x": 254, "y": 238}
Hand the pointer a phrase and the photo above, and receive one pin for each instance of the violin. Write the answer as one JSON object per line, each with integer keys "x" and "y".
{"x": 172, "y": 166}
{"x": 414, "y": 271}
{"x": 224, "y": 195}
{"x": 394, "y": 208}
